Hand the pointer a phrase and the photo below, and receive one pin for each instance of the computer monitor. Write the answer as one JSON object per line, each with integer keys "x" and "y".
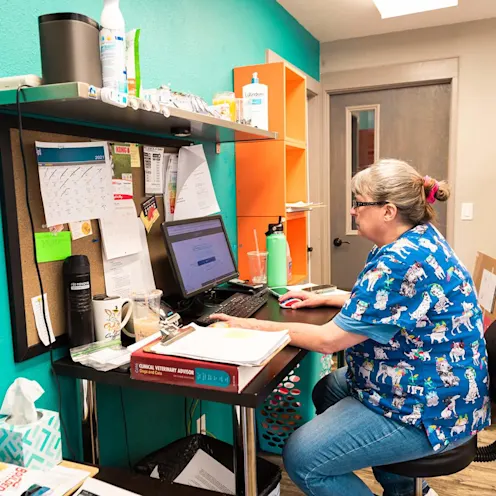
{"x": 200, "y": 254}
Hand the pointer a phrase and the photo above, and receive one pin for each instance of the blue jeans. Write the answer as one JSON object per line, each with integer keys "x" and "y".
{"x": 321, "y": 456}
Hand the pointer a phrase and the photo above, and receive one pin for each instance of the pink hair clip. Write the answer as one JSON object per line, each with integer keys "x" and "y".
{"x": 431, "y": 197}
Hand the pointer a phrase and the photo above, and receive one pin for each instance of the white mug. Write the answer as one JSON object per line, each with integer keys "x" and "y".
{"x": 107, "y": 315}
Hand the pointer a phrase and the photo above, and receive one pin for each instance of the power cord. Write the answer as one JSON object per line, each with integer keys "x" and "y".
{"x": 124, "y": 419}
{"x": 186, "y": 433}
{"x": 31, "y": 222}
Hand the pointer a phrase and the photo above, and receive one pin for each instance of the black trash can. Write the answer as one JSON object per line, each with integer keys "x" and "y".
{"x": 171, "y": 460}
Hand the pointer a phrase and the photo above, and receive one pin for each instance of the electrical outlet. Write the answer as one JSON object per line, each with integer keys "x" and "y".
{"x": 467, "y": 211}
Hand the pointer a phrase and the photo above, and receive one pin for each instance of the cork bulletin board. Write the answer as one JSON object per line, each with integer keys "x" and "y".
{"x": 26, "y": 341}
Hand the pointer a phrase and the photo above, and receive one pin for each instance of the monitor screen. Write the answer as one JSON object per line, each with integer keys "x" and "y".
{"x": 200, "y": 253}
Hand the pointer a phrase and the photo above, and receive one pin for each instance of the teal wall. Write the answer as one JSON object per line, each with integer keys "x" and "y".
{"x": 193, "y": 45}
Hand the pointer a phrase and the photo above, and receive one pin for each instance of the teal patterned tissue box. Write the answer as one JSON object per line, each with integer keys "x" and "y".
{"x": 37, "y": 445}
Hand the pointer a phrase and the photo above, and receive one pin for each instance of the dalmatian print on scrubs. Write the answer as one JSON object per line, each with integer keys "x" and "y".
{"x": 433, "y": 373}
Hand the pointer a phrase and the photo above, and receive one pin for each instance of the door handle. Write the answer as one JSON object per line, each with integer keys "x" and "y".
{"x": 338, "y": 242}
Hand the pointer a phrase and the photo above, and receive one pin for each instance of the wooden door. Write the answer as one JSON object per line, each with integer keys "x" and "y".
{"x": 410, "y": 124}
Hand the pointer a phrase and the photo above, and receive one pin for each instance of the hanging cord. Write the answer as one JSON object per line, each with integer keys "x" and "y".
{"x": 38, "y": 273}
{"x": 126, "y": 436}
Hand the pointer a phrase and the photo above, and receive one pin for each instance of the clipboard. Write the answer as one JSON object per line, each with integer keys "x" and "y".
{"x": 189, "y": 329}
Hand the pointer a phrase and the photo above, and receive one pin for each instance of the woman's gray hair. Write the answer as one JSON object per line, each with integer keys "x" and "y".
{"x": 397, "y": 182}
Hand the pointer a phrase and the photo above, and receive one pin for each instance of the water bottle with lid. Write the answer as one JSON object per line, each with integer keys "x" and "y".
{"x": 277, "y": 273}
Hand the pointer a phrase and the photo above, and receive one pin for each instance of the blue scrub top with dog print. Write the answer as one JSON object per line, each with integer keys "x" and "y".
{"x": 433, "y": 373}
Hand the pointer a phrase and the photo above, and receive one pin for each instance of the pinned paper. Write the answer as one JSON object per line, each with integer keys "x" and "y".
{"x": 132, "y": 273}
{"x": 153, "y": 158}
{"x": 122, "y": 174}
{"x": 75, "y": 180}
{"x": 40, "y": 320}
{"x": 170, "y": 189}
{"x": 149, "y": 213}
{"x": 195, "y": 191}
{"x": 119, "y": 230}
{"x": 135, "y": 155}
{"x": 80, "y": 229}
{"x": 52, "y": 247}
{"x": 57, "y": 228}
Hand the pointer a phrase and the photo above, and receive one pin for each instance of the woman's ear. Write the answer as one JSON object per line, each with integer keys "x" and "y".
{"x": 390, "y": 212}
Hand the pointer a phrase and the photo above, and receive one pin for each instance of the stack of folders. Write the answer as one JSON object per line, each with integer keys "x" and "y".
{"x": 219, "y": 358}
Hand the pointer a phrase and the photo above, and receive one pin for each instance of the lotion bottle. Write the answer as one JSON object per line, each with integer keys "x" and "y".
{"x": 257, "y": 97}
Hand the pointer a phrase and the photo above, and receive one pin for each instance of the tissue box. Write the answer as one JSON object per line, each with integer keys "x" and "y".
{"x": 37, "y": 445}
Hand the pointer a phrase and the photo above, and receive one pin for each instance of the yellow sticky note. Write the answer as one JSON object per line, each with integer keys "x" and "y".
{"x": 135, "y": 155}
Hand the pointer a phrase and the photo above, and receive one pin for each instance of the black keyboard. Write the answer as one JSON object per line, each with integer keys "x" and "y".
{"x": 238, "y": 305}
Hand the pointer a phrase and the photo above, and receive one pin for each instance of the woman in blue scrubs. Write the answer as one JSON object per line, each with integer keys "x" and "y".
{"x": 416, "y": 380}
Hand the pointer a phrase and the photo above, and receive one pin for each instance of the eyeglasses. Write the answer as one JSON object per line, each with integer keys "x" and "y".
{"x": 356, "y": 204}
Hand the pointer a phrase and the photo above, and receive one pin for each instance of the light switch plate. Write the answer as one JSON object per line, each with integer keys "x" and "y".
{"x": 467, "y": 211}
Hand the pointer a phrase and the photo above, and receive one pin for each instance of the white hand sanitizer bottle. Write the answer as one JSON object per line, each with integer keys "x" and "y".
{"x": 113, "y": 48}
{"x": 257, "y": 96}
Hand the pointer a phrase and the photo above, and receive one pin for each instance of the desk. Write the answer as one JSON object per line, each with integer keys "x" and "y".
{"x": 244, "y": 403}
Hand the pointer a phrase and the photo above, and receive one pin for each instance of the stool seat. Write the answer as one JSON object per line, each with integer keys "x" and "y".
{"x": 444, "y": 463}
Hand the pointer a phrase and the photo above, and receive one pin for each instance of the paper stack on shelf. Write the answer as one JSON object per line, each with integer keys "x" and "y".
{"x": 225, "y": 345}
{"x": 302, "y": 206}
{"x": 58, "y": 481}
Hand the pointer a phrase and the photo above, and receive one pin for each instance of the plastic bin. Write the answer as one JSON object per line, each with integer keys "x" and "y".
{"x": 290, "y": 405}
{"x": 170, "y": 461}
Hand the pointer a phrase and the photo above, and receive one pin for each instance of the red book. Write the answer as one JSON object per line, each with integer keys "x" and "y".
{"x": 165, "y": 369}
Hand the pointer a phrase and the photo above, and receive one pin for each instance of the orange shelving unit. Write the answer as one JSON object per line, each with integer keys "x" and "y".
{"x": 273, "y": 173}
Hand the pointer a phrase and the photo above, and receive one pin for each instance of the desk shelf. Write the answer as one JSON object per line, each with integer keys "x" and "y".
{"x": 251, "y": 396}
{"x": 70, "y": 102}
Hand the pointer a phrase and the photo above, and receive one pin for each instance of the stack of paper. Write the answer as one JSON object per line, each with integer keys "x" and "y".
{"x": 58, "y": 481}
{"x": 225, "y": 345}
{"x": 302, "y": 206}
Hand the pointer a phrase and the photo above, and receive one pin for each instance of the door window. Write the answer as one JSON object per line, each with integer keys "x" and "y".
{"x": 362, "y": 149}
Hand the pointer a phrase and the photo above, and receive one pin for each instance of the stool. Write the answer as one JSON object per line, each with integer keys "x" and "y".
{"x": 445, "y": 463}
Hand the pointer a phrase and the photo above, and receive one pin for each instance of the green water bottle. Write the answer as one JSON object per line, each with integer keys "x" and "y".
{"x": 277, "y": 269}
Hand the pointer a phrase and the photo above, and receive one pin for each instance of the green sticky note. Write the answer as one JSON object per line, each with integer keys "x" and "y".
{"x": 52, "y": 247}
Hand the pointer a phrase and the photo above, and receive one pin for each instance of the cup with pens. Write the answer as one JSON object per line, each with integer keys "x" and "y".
{"x": 257, "y": 261}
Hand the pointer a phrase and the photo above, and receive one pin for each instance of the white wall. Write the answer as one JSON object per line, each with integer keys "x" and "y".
{"x": 475, "y": 45}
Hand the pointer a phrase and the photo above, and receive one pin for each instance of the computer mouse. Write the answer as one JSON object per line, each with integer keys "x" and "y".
{"x": 289, "y": 303}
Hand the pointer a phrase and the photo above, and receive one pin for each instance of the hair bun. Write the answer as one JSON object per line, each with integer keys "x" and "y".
{"x": 441, "y": 189}
{"x": 443, "y": 192}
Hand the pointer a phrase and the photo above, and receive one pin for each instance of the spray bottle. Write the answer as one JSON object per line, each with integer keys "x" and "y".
{"x": 277, "y": 269}
{"x": 113, "y": 48}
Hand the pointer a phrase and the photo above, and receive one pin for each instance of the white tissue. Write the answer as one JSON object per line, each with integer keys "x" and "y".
{"x": 19, "y": 401}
